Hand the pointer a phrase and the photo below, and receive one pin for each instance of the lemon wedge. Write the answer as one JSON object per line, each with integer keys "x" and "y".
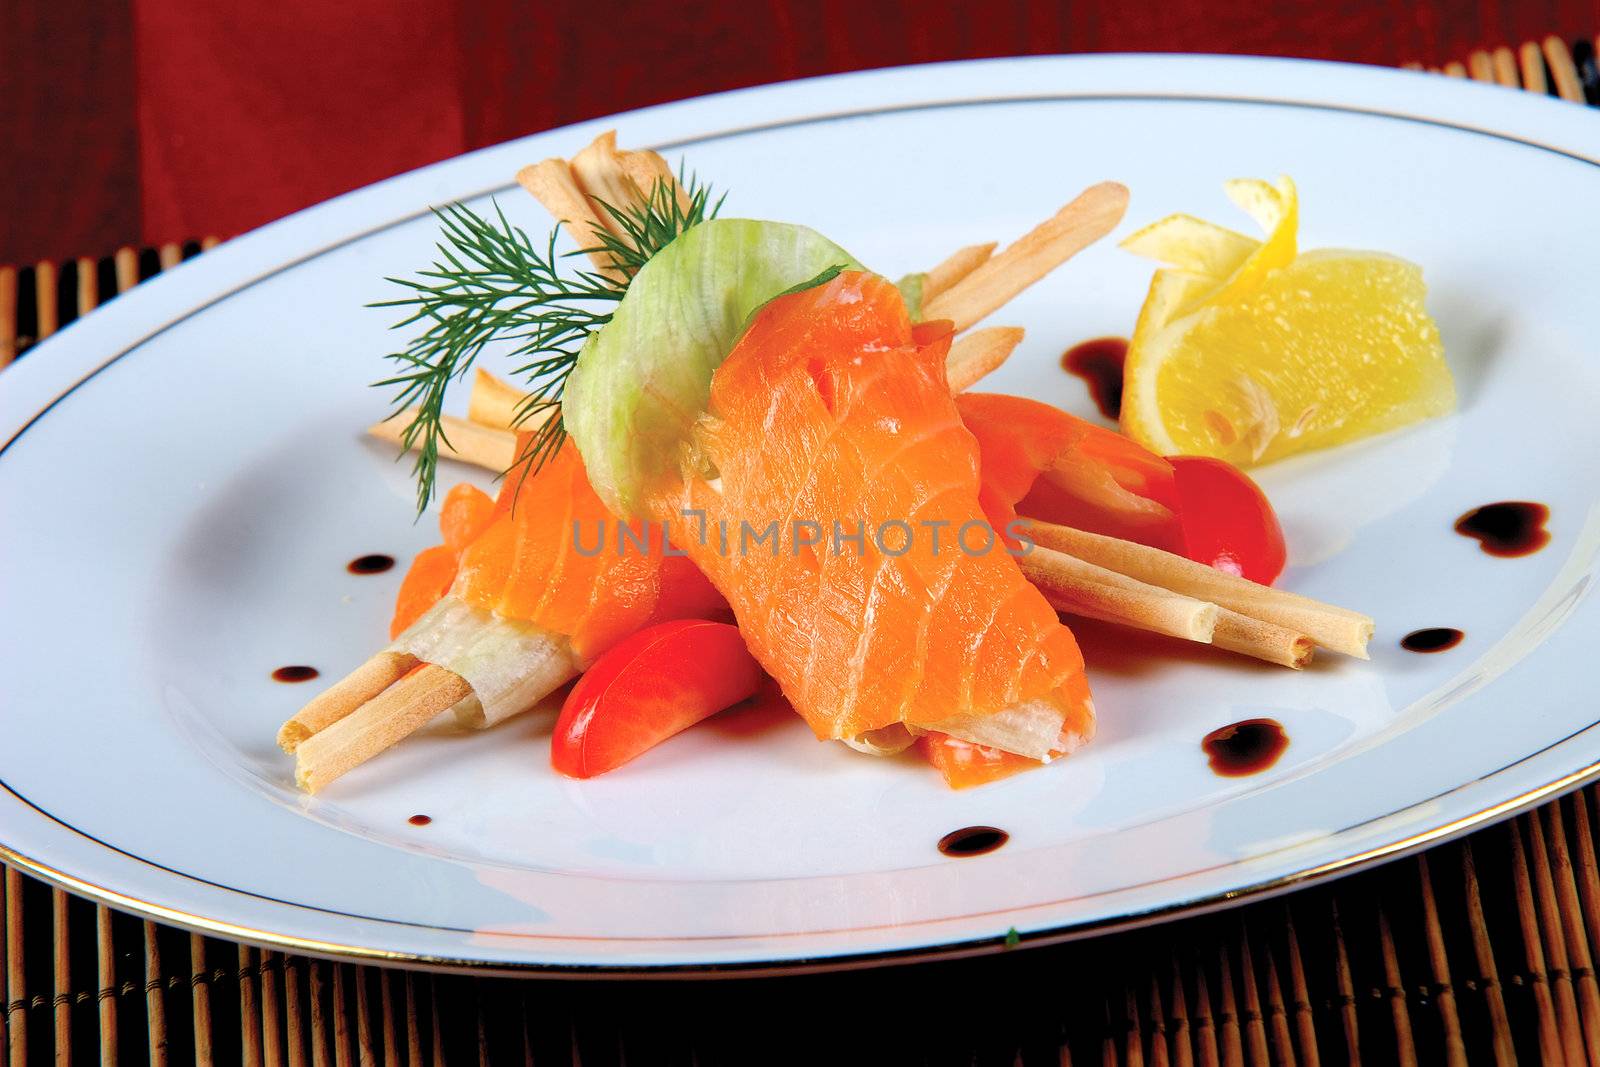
{"x": 1251, "y": 351}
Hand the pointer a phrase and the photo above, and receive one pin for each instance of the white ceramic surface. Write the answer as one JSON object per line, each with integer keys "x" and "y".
{"x": 184, "y": 480}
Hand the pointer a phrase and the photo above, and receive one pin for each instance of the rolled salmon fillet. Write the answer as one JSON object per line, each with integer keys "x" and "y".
{"x": 522, "y": 595}
{"x": 831, "y": 495}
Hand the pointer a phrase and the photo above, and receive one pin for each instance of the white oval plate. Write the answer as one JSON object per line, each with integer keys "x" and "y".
{"x": 185, "y": 478}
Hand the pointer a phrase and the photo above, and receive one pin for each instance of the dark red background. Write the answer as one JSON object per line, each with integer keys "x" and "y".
{"x": 158, "y": 120}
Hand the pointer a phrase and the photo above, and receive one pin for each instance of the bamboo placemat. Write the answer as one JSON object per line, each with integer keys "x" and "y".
{"x": 1478, "y": 951}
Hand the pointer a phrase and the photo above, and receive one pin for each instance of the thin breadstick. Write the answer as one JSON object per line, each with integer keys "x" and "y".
{"x": 553, "y": 185}
{"x": 468, "y": 442}
{"x": 395, "y": 714}
{"x": 621, "y": 179}
{"x": 344, "y": 697}
{"x": 1095, "y": 212}
{"x": 979, "y": 353}
{"x": 579, "y": 192}
{"x": 494, "y": 401}
{"x": 1233, "y": 631}
{"x": 959, "y": 264}
{"x": 1335, "y": 628}
{"x": 1262, "y": 640}
{"x": 1073, "y": 586}
{"x": 647, "y": 170}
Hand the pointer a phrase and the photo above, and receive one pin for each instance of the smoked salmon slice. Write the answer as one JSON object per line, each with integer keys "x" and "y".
{"x": 467, "y": 511}
{"x": 835, "y": 491}
{"x": 964, "y": 765}
{"x": 553, "y": 555}
{"x": 1054, "y": 466}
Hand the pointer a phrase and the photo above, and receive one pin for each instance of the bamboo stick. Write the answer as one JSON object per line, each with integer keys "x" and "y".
{"x": 1558, "y": 57}
{"x": 88, "y": 285}
{"x": 106, "y": 977}
{"x": 1505, "y": 67}
{"x": 61, "y": 969}
{"x": 1399, "y": 1012}
{"x": 126, "y": 262}
{"x": 1531, "y": 61}
{"x": 47, "y": 312}
{"x": 8, "y": 315}
{"x": 155, "y": 1004}
{"x": 1439, "y": 962}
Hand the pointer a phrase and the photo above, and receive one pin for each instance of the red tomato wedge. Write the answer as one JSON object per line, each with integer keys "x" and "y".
{"x": 661, "y": 680}
{"x": 1228, "y": 523}
{"x": 1046, "y": 464}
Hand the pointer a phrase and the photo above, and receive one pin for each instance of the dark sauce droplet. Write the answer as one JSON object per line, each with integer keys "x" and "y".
{"x": 373, "y": 564}
{"x": 295, "y": 673}
{"x": 420, "y": 820}
{"x": 1433, "y": 639}
{"x": 1508, "y": 529}
{"x": 1099, "y": 364}
{"x": 972, "y": 841}
{"x": 1245, "y": 748}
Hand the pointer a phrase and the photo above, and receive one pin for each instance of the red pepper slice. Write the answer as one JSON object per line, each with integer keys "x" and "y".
{"x": 1228, "y": 523}
{"x": 660, "y": 681}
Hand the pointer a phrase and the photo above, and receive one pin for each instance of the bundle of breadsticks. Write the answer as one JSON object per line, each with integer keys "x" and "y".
{"x": 405, "y": 686}
{"x": 1080, "y": 573}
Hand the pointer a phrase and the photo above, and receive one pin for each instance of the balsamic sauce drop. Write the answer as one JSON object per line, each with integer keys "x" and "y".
{"x": 1099, "y": 364}
{"x": 972, "y": 841}
{"x": 420, "y": 820}
{"x": 373, "y": 564}
{"x": 1245, "y": 748}
{"x": 1508, "y": 529}
{"x": 295, "y": 673}
{"x": 1433, "y": 639}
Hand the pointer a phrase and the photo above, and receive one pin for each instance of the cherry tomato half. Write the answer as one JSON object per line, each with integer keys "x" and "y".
{"x": 660, "y": 681}
{"x": 1227, "y": 521}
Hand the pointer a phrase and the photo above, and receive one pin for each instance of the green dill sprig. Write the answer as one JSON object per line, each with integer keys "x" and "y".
{"x": 492, "y": 285}
{"x": 650, "y": 225}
